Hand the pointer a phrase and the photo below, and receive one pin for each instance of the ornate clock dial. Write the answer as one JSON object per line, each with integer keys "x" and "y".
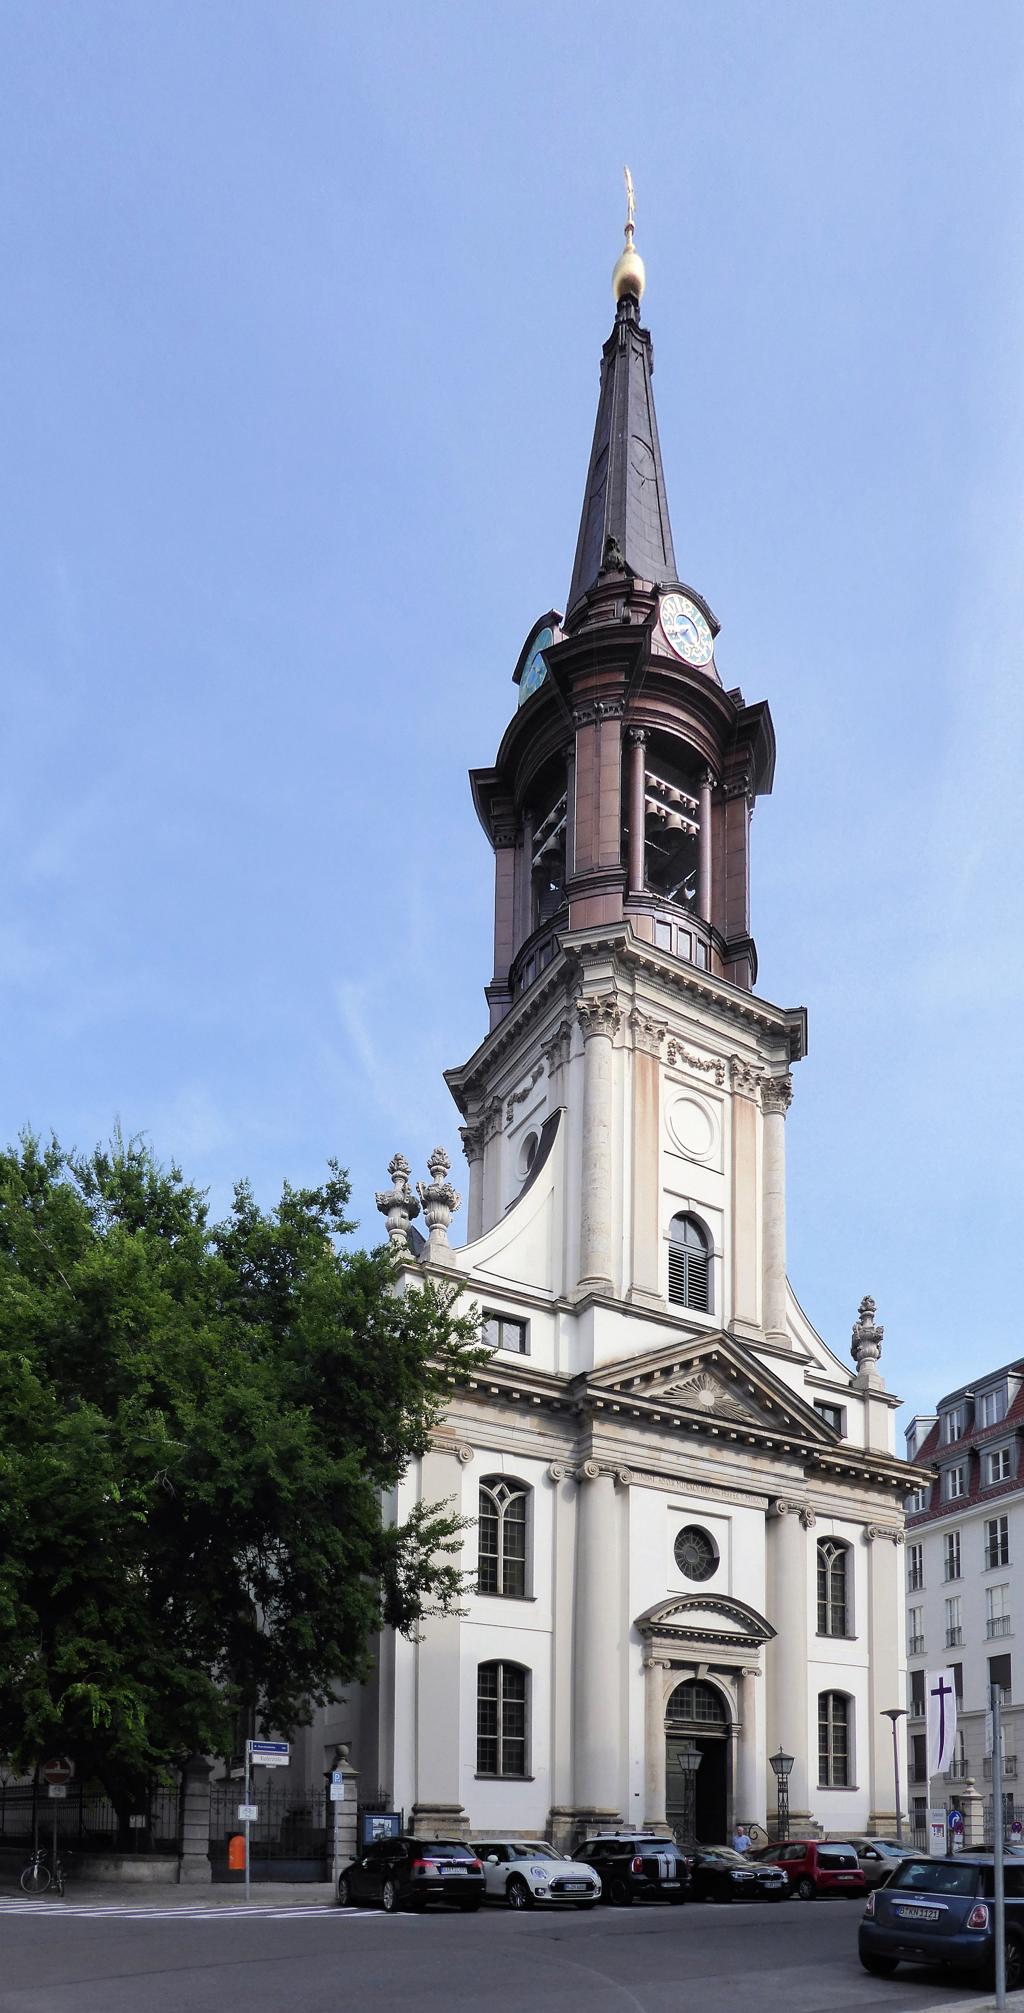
{"x": 535, "y": 669}
{"x": 686, "y": 631}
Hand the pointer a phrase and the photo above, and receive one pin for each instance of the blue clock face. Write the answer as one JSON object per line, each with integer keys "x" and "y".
{"x": 686, "y": 631}
{"x": 535, "y": 670}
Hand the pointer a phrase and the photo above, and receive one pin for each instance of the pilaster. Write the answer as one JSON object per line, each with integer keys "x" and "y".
{"x": 438, "y": 1803}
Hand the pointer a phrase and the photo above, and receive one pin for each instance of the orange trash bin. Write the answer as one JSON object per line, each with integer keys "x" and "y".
{"x": 236, "y": 1853}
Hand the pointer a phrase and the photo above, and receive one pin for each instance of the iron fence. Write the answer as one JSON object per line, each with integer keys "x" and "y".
{"x": 90, "y": 1822}
{"x": 289, "y": 1840}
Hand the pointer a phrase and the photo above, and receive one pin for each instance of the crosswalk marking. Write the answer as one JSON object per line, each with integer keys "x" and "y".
{"x": 269, "y": 1912}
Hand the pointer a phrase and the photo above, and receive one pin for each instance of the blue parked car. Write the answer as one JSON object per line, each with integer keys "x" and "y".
{"x": 940, "y": 1911}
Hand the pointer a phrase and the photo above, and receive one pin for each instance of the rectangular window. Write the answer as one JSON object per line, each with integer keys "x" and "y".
{"x": 500, "y": 1331}
{"x": 916, "y": 1502}
{"x": 997, "y": 1610}
{"x": 953, "y": 1425}
{"x": 501, "y": 1720}
{"x": 917, "y": 1694}
{"x": 915, "y": 1568}
{"x": 833, "y": 1740}
{"x": 918, "y": 1757}
{"x": 999, "y": 1674}
{"x": 997, "y": 1542}
{"x": 952, "y": 1554}
{"x": 956, "y": 1672}
{"x": 955, "y": 1482}
{"x": 954, "y": 1625}
{"x": 833, "y": 1415}
{"x": 915, "y": 1632}
{"x": 992, "y": 1406}
{"x": 997, "y": 1465}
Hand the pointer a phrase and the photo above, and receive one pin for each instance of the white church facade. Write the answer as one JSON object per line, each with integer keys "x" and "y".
{"x": 684, "y": 1511}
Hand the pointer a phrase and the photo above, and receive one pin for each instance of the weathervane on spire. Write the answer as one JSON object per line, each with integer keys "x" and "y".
{"x": 628, "y": 277}
{"x": 630, "y": 203}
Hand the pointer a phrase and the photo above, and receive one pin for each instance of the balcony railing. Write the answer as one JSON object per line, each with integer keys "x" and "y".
{"x": 915, "y": 1582}
{"x": 1009, "y": 1766}
{"x": 953, "y": 1637}
{"x": 998, "y": 1625}
{"x": 957, "y": 1770}
{"x": 915, "y": 1646}
{"x": 996, "y": 1555}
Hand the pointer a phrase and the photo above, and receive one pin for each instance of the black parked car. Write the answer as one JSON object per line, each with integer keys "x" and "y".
{"x": 408, "y": 1872}
{"x": 939, "y": 1911}
{"x": 636, "y": 1865}
{"x": 720, "y": 1874}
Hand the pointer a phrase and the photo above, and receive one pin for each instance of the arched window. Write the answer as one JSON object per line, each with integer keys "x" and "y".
{"x": 833, "y": 1594}
{"x": 835, "y": 1738}
{"x": 501, "y": 1558}
{"x": 501, "y": 1719}
{"x": 689, "y": 1264}
{"x": 696, "y": 1704}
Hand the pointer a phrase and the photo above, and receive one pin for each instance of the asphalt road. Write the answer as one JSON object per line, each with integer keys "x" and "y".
{"x": 791, "y": 1958}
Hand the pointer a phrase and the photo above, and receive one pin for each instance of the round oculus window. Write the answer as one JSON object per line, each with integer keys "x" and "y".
{"x": 696, "y": 1554}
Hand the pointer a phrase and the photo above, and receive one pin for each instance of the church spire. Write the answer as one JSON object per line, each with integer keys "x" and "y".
{"x": 625, "y": 508}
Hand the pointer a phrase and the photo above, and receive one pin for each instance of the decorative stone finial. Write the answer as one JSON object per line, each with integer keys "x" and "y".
{"x": 440, "y": 1200}
{"x": 866, "y": 1346}
{"x": 398, "y": 1203}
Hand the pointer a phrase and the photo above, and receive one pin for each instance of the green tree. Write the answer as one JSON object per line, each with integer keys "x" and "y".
{"x": 199, "y": 1425}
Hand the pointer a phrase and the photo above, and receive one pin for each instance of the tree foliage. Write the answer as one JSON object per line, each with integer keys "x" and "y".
{"x": 199, "y": 1424}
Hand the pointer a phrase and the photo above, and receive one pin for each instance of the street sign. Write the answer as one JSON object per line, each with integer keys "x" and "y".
{"x": 988, "y": 1735}
{"x": 58, "y": 1789}
{"x": 58, "y": 1769}
{"x": 337, "y": 1792}
{"x": 956, "y": 1820}
{"x": 268, "y": 1753}
{"x": 136, "y": 1823}
{"x": 336, "y": 1775}
{"x": 248, "y": 1813}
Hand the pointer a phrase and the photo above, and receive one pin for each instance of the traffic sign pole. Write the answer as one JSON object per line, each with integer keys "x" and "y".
{"x": 248, "y": 1800}
{"x": 997, "y": 1844}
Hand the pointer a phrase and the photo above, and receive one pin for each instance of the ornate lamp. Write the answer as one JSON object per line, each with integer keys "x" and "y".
{"x": 782, "y": 1764}
{"x": 690, "y": 1759}
{"x": 895, "y": 1713}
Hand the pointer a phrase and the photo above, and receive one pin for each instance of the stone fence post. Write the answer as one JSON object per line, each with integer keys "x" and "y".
{"x": 194, "y": 1863}
{"x": 343, "y": 1819}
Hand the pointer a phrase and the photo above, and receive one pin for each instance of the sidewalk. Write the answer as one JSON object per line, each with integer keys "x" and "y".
{"x": 124, "y": 1895}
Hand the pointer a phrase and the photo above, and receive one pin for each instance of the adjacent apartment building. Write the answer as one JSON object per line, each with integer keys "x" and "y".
{"x": 965, "y": 1586}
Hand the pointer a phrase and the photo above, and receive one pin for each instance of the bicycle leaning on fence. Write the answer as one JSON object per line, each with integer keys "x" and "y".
{"x": 38, "y": 1876}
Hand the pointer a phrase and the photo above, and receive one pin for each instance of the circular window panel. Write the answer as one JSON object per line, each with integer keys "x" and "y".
{"x": 696, "y": 1554}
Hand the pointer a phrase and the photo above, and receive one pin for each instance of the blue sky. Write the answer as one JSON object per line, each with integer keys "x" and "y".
{"x": 302, "y": 309}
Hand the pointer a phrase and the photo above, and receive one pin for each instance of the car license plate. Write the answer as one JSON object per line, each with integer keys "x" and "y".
{"x": 447, "y": 1871}
{"x": 918, "y": 1914}
{"x": 670, "y": 1883}
{"x": 577, "y": 1886}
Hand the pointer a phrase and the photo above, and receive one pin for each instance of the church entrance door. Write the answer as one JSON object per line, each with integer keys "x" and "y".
{"x": 697, "y": 1714}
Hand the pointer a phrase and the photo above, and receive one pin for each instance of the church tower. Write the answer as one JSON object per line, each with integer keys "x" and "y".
{"x": 685, "y": 1511}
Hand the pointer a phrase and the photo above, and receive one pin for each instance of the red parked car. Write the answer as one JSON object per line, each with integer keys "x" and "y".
{"x": 815, "y": 1866}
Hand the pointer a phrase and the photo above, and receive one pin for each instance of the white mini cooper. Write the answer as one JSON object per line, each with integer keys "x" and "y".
{"x": 525, "y": 1871}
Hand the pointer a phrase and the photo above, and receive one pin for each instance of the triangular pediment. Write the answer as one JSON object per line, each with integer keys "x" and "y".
{"x": 712, "y": 1379}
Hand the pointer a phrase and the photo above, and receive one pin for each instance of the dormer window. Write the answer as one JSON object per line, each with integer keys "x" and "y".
{"x": 953, "y": 1424}
{"x": 997, "y": 1465}
{"x": 992, "y": 1405}
{"x": 955, "y": 1481}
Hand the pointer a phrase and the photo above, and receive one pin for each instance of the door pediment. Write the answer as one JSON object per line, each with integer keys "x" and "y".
{"x": 718, "y": 1620}
{"x": 713, "y": 1381}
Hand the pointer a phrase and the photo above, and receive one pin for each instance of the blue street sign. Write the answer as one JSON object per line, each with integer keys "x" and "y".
{"x": 336, "y": 1775}
{"x": 956, "y": 1822}
{"x": 268, "y": 1750}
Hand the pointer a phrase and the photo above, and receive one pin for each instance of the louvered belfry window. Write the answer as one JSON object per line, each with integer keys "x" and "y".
{"x": 689, "y": 1264}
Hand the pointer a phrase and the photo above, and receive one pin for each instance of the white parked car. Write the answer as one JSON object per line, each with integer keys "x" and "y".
{"x": 524, "y": 1871}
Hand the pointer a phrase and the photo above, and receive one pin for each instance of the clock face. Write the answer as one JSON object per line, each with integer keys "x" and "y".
{"x": 535, "y": 670}
{"x": 695, "y": 1552}
{"x": 686, "y": 631}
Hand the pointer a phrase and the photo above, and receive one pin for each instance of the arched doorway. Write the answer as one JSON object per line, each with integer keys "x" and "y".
{"x": 698, "y": 1712}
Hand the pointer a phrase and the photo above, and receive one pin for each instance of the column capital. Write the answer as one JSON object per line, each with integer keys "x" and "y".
{"x": 744, "y": 1076}
{"x": 637, "y": 737}
{"x": 890, "y": 1531}
{"x": 472, "y": 1137}
{"x": 776, "y": 1095}
{"x": 599, "y": 1013}
{"x": 648, "y": 1034}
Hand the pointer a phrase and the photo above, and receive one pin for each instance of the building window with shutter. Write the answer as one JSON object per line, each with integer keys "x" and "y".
{"x": 954, "y": 1622}
{"x": 834, "y": 1729}
{"x": 917, "y": 1694}
{"x": 915, "y": 1568}
{"x": 690, "y": 1281}
{"x": 833, "y": 1601}
{"x": 501, "y": 1719}
{"x": 952, "y": 1553}
{"x": 501, "y": 1537}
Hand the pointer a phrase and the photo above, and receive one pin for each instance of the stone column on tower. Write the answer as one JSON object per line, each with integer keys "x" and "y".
{"x": 597, "y": 1730}
{"x": 637, "y": 740}
{"x": 790, "y": 1591}
{"x": 599, "y": 1017}
{"x": 776, "y": 1097}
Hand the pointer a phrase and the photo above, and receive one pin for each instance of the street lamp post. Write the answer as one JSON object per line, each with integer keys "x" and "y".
{"x": 895, "y": 1713}
{"x": 690, "y": 1759}
{"x": 781, "y": 1765}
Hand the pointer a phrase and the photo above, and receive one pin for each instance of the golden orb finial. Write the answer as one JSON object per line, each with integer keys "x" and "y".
{"x": 629, "y": 276}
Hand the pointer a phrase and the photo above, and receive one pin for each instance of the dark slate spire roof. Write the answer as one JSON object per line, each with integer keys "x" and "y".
{"x": 625, "y": 495}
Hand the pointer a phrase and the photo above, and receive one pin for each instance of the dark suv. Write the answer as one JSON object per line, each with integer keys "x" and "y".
{"x": 939, "y": 1911}
{"x": 408, "y": 1872}
{"x": 636, "y": 1865}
